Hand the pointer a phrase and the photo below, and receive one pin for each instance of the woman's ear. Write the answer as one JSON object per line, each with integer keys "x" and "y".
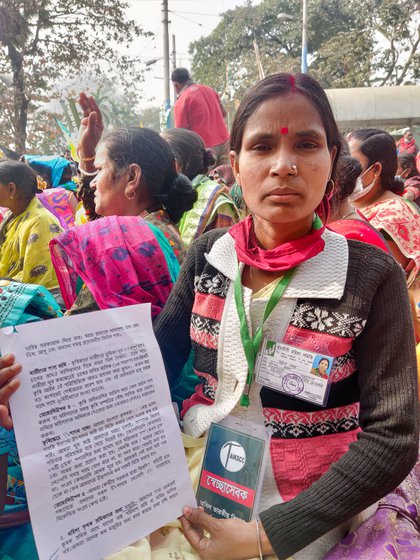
{"x": 377, "y": 169}
{"x": 178, "y": 166}
{"x": 234, "y": 163}
{"x": 12, "y": 190}
{"x": 134, "y": 174}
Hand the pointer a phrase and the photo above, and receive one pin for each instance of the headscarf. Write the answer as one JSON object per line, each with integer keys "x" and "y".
{"x": 55, "y": 166}
{"x": 123, "y": 260}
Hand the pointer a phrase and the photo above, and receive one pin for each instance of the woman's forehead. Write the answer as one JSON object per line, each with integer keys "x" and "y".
{"x": 284, "y": 114}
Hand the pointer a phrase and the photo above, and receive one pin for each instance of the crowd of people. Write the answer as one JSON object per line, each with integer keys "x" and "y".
{"x": 307, "y": 234}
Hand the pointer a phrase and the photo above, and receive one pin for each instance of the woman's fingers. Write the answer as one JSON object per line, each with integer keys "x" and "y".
{"x": 194, "y": 522}
{"x": 8, "y": 369}
{"x": 5, "y": 418}
{"x": 8, "y": 385}
{"x": 84, "y": 103}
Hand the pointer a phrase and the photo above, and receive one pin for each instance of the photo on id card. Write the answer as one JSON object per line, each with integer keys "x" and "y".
{"x": 294, "y": 371}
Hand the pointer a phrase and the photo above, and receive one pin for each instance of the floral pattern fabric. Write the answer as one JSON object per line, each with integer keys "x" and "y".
{"x": 24, "y": 239}
{"x": 393, "y": 532}
{"x": 119, "y": 258}
{"x": 162, "y": 221}
{"x": 401, "y": 221}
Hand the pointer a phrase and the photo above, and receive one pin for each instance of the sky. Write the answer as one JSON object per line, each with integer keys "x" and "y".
{"x": 190, "y": 20}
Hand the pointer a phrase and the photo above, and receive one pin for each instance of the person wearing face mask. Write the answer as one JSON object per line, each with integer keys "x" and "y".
{"x": 376, "y": 197}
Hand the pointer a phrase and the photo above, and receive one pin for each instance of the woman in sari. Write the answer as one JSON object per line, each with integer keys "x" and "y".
{"x": 134, "y": 174}
{"x": 214, "y": 207}
{"x": 114, "y": 262}
{"x": 395, "y": 217}
{"x": 26, "y": 230}
{"x": 280, "y": 271}
{"x": 345, "y": 219}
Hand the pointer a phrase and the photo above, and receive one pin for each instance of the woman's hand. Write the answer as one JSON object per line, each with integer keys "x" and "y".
{"x": 91, "y": 128}
{"x": 8, "y": 385}
{"x": 229, "y": 539}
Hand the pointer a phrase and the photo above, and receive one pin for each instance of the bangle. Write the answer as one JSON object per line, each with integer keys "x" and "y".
{"x": 87, "y": 173}
{"x": 259, "y": 539}
{"x": 84, "y": 158}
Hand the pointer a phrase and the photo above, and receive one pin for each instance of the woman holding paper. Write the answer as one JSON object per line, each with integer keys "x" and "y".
{"x": 280, "y": 274}
{"x": 329, "y": 465}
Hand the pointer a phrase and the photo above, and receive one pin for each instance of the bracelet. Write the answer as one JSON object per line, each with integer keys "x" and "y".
{"x": 84, "y": 158}
{"x": 259, "y": 539}
{"x": 87, "y": 173}
{"x": 88, "y": 158}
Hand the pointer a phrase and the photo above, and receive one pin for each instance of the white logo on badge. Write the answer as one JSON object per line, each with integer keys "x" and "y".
{"x": 232, "y": 456}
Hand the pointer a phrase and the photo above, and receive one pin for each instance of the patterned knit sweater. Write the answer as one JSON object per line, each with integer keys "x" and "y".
{"x": 349, "y": 302}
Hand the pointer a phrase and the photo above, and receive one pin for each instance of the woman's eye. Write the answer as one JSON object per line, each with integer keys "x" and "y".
{"x": 307, "y": 145}
{"x": 261, "y": 148}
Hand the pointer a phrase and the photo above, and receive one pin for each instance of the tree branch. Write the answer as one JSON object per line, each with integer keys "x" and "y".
{"x": 408, "y": 62}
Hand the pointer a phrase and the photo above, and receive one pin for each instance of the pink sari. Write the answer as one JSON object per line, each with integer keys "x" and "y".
{"x": 399, "y": 219}
{"x": 120, "y": 260}
{"x": 57, "y": 201}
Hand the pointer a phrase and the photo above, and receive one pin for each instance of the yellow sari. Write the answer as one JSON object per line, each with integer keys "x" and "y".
{"x": 24, "y": 246}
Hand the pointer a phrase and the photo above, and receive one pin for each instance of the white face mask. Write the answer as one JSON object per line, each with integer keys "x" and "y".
{"x": 359, "y": 190}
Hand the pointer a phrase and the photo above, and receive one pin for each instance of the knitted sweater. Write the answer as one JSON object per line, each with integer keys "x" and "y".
{"x": 350, "y": 299}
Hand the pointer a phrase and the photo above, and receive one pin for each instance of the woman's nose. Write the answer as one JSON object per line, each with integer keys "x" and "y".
{"x": 283, "y": 163}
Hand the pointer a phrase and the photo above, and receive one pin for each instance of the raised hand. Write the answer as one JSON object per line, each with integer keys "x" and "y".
{"x": 91, "y": 128}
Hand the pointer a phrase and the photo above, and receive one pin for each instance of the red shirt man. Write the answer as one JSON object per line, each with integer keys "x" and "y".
{"x": 199, "y": 108}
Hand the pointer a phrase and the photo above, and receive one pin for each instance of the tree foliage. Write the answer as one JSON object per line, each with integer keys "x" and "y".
{"x": 350, "y": 44}
{"x": 47, "y": 41}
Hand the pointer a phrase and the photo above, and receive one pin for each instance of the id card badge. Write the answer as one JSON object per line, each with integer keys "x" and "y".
{"x": 233, "y": 468}
{"x": 295, "y": 372}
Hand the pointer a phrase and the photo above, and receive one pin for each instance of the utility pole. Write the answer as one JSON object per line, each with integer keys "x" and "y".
{"x": 165, "y": 22}
{"x": 174, "y": 61}
{"x": 304, "y": 66}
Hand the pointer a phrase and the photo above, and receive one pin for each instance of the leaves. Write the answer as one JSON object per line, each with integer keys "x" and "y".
{"x": 350, "y": 44}
{"x": 55, "y": 40}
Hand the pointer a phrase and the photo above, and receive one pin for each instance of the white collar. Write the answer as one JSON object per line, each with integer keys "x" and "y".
{"x": 322, "y": 277}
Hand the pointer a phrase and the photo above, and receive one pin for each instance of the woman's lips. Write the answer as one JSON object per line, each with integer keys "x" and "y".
{"x": 282, "y": 194}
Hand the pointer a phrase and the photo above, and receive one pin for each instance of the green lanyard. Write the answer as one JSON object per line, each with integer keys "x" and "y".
{"x": 252, "y": 345}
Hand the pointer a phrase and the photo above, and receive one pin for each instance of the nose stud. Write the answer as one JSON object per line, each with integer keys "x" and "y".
{"x": 294, "y": 169}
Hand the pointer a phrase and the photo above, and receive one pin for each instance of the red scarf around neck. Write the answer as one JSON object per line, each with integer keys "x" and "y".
{"x": 281, "y": 258}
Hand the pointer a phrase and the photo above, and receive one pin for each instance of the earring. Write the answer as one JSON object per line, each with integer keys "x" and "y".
{"x": 130, "y": 197}
{"x": 11, "y": 197}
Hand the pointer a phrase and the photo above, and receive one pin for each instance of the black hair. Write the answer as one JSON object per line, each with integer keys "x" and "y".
{"x": 348, "y": 169}
{"x": 180, "y": 75}
{"x": 190, "y": 151}
{"x": 379, "y": 147}
{"x": 153, "y": 155}
{"x": 408, "y": 161}
{"x": 324, "y": 360}
{"x": 282, "y": 84}
{"x": 22, "y": 176}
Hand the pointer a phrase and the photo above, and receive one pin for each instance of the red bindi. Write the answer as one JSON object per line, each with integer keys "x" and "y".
{"x": 284, "y": 130}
